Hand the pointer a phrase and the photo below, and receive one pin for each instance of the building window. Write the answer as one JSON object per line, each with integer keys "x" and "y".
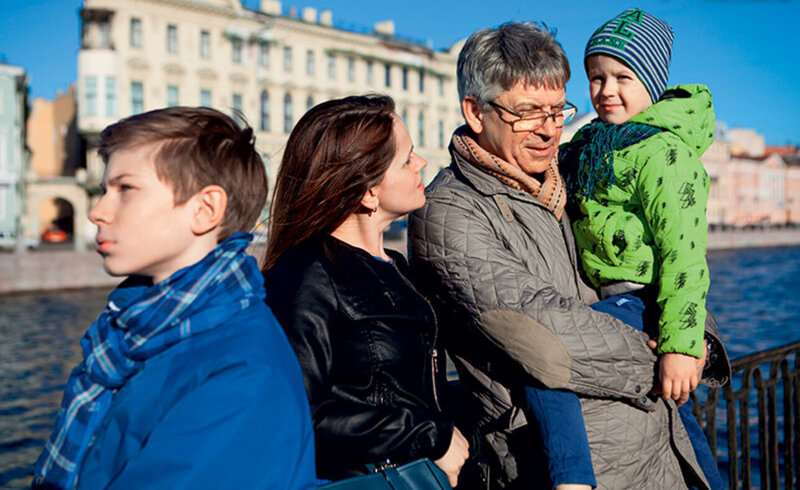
{"x": 370, "y": 78}
{"x": 105, "y": 34}
{"x": 287, "y": 113}
{"x": 287, "y": 59}
{"x": 205, "y": 44}
{"x": 3, "y": 165}
{"x": 351, "y": 69}
{"x": 172, "y": 39}
{"x": 237, "y": 46}
{"x": 264, "y": 123}
{"x": 404, "y": 116}
{"x": 421, "y": 81}
{"x": 90, "y": 95}
{"x": 137, "y": 98}
{"x": 172, "y": 96}
{"x": 111, "y": 96}
{"x": 331, "y": 66}
{"x": 388, "y": 73}
{"x": 205, "y": 98}
{"x": 441, "y": 133}
{"x": 405, "y": 78}
{"x": 263, "y": 55}
{"x": 309, "y": 62}
{"x": 421, "y": 123}
{"x": 309, "y": 102}
{"x": 136, "y": 32}
{"x": 441, "y": 85}
{"x": 236, "y": 103}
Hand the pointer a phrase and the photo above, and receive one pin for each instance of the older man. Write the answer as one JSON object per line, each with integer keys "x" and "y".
{"x": 494, "y": 251}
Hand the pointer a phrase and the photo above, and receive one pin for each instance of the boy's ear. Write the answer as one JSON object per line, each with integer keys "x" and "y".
{"x": 473, "y": 113}
{"x": 210, "y": 204}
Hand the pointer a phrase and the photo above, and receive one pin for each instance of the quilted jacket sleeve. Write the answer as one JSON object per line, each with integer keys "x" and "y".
{"x": 348, "y": 429}
{"x": 674, "y": 189}
{"x": 474, "y": 270}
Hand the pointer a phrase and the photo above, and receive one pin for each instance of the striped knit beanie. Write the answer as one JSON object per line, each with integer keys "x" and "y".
{"x": 642, "y": 41}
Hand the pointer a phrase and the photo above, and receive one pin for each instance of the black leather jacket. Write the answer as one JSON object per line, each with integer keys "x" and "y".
{"x": 365, "y": 340}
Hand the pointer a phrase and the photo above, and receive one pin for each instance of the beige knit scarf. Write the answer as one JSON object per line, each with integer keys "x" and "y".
{"x": 551, "y": 193}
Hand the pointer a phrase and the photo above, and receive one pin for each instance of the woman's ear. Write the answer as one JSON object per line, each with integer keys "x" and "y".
{"x": 210, "y": 204}
{"x": 370, "y": 200}
{"x": 473, "y": 113}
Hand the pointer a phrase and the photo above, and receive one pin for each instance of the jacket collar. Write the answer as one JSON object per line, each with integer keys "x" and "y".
{"x": 484, "y": 183}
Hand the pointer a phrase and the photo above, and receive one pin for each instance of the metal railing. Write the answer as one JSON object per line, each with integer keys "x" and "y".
{"x": 764, "y": 385}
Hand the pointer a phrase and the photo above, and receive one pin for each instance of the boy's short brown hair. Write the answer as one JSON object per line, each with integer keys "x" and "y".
{"x": 198, "y": 146}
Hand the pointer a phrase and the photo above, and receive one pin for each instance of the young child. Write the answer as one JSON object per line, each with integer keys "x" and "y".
{"x": 187, "y": 380}
{"x": 640, "y": 188}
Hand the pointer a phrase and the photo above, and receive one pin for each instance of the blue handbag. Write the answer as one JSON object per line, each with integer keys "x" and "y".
{"x": 421, "y": 474}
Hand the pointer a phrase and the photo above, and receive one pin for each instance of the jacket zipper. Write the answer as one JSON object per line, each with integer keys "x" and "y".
{"x": 434, "y": 352}
{"x": 434, "y": 372}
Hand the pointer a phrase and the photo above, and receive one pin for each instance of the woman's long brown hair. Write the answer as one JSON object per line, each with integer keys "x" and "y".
{"x": 337, "y": 151}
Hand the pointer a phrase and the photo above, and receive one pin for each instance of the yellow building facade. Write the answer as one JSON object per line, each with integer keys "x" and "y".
{"x": 138, "y": 55}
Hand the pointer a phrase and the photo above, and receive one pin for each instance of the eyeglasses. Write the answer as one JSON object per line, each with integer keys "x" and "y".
{"x": 531, "y": 121}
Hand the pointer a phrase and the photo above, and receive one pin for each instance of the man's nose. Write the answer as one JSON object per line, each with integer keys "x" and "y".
{"x": 549, "y": 128}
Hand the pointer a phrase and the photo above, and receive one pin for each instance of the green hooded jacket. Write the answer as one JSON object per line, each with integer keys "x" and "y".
{"x": 650, "y": 226}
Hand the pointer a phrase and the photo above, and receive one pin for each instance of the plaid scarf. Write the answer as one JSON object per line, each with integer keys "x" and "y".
{"x": 141, "y": 321}
{"x": 588, "y": 163}
{"x": 551, "y": 193}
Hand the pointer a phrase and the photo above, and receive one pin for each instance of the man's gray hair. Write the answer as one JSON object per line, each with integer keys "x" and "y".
{"x": 494, "y": 60}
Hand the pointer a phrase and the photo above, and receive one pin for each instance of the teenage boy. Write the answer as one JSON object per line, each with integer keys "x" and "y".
{"x": 187, "y": 380}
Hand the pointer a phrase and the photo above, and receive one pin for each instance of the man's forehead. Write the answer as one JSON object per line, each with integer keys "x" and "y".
{"x": 538, "y": 95}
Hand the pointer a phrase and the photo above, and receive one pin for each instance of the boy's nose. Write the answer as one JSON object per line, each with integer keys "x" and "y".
{"x": 99, "y": 213}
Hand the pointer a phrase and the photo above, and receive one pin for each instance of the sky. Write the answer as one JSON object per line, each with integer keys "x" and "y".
{"x": 742, "y": 49}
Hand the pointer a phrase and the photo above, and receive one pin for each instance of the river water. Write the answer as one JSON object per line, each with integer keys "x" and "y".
{"x": 753, "y": 294}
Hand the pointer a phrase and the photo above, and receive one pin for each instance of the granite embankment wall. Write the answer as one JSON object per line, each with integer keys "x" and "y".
{"x": 67, "y": 269}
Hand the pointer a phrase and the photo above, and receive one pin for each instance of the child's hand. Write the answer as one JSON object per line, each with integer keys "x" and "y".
{"x": 678, "y": 376}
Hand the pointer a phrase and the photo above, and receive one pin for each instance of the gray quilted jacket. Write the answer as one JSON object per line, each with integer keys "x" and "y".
{"x": 502, "y": 273}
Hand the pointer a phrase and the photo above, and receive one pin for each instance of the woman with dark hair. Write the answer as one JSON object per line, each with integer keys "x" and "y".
{"x": 365, "y": 338}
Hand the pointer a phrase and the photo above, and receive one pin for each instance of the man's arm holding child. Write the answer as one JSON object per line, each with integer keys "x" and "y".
{"x": 555, "y": 338}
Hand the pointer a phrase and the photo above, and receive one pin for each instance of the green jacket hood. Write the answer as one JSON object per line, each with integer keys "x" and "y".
{"x": 687, "y": 112}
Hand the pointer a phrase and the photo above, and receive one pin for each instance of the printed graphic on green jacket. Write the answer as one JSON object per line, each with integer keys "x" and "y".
{"x": 645, "y": 221}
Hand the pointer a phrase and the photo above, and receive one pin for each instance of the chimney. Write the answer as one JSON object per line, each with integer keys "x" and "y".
{"x": 326, "y": 18}
{"x": 272, "y": 7}
{"x": 386, "y": 28}
{"x": 292, "y": 12}
{"x": 310, "y": 15}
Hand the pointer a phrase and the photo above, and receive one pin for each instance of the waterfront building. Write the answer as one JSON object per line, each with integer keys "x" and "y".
{"x": 793, "y": 189}
{"x": 13, "y": 154}
{"x": 756, "y": 181}
{"x": 138, "y": 55}
{"x": 56, "y": 201}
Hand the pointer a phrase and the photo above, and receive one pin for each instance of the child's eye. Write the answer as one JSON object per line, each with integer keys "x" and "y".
{"x": 125, "y": 187}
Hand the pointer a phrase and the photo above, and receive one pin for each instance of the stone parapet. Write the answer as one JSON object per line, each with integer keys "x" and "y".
{"x": 67, "y": 269}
